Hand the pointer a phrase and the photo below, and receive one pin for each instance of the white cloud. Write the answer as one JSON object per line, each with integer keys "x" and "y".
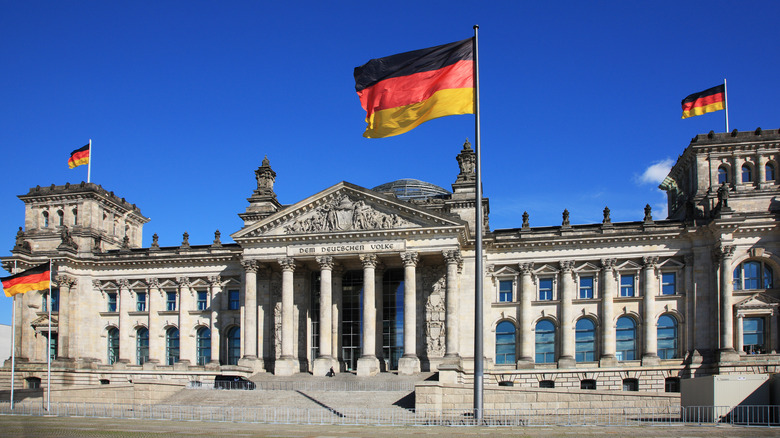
{"x": 656, "y": 173}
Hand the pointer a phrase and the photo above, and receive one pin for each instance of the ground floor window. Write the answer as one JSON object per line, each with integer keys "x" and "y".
{"x": 142, "y": 345}
{"x": 667, "y": 337}
{"x": 505, "y": 343}
{"x": 753, "y": 341}
{"x": 672, "y": 384}
{"x": 233, "y": 346}
{"x": 172, "y": 345}
{"x": 547, "y": 384}
{"x": 588, "y": 384}
{"x": 585, "y": 340}
{"x": 33, "y": 382}
{"x": 545, "y": 341}
{"x": 630, "y": 385}
{"x": 393, "y": 317}
{"x": 113, "y": 345}
{"x": 625, "y": 339}
{"x": 53, "y": 338}
{"x": 203, "y": 345}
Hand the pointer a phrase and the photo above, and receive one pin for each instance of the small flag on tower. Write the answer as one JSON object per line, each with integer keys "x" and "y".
{"x": 399, "y": 92}
{"x": 707, "y": 101}
{"x": 36, "y": 278}
{"x": 79, "y": 156}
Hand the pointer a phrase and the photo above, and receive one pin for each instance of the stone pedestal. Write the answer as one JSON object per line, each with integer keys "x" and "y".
{"x": 566, "y": 362}
{"x": 608, "y": 361}
{"x": 367, "y": 366}
{"x": 651, "y": 360}
{"x": 728, "y": 355}
{"x": 323, "y": 365}
{"x": 253, "y": 362}
{"x": 286, "y": 367}
{"x": 525, "y": 364}
{"x": 408, "y": 365}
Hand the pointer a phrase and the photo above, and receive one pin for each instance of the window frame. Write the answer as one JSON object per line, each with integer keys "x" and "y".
{"x": 762, "y": 333}
{"x": 202, "y": 304}
{"x": 592, "y": 342}
{"x": 550, "y": 290}
{"x": 547, "y": 356}
{"x": 746, "y": 170}
{"x": 664, "y": 283}
{"x": 112, "y": 302}
{"x": 203, "y": 346}
{"x": 620, "y": 355}
{"x": 503, "y": 294}
{"x": 592, "y": 287}
{"x": 171, "y": 305}
{"x": 723, "y": 174}
{"x": 234, "y": 304}
{"x": 141, "y": 345}
{"x": 765, "y": 279}
{"x": 172, "y": 346}
{"x": 675, "y": 349}
{"x": 631, "y": 384}
{"x": 112, "y": 345}
{"x": 769, "y": 168}
{"x": 508, "y": 358}
{"x": 632, "y": 286}
{"x": 140, "y": 303}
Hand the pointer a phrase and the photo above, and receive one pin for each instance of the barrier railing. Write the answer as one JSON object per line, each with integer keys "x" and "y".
{"x": 314, "y": 386}
{"x": 768, "y": 416}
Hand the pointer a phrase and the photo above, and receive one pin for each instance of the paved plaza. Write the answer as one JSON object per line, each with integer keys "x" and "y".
{"x": 43, "y": 427}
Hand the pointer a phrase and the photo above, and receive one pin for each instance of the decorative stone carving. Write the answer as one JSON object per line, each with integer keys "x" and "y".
{"x": 276, "y": 302}
{"x": 566, "y": 266}
{"x": 67, "y": 240}
{"x": 607, "y": 220}
{"x": 648, "y": 213}
{"x": 287, "y": 263}
{"x": 565, "y": 222}
{"x": 434, "y": 284}
{"x": 409, "y": 258}
{"x": 217, "y": 242}
{"x": 368, "y": 260}
{"x": 265, "y": 178}
{"x": 467, "y": 161}
{"x": 249, "y": 265}
{"x": 21, "y": 244}
{"x": 124, "y": 283}
{"x": 153, "y": 282}
{"x": 725, "y": 252}
{"x": 343, "y": 214}
{"x": 184, "y": 282}
{"x": 215, "y": 280}
{"x": 185, "y": 242}
{"x": 526, "y": 268}
{"x": 526, "y": 223}
{"x": 155, "y": 242}
{"x": 66, "y": 280}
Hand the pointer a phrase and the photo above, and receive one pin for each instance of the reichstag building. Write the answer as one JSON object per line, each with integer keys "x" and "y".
{"x": 382, "y": 280}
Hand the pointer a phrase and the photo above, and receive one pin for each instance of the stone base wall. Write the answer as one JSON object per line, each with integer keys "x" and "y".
{"x": 434, "y": 396}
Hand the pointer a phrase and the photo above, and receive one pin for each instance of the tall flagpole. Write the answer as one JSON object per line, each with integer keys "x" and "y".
{"x": 48, "y": 349}
{"x": 13, "y": 344}
{"x": 478, "y": 356}
{"x": 89, "y": 164}
{"x": 726, "y": 103}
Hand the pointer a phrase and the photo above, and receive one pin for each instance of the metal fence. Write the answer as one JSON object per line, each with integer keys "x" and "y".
{"x": 670, "y": 416}
{"x": 315, "y": 385}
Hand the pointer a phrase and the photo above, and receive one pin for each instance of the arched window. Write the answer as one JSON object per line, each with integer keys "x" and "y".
{"x": 233, "y": 346}
{"x": 667, "y": 337}
{"x": 545, "y": 341}
{"x": 505, "y": 343}
{"x": 747, "y": 173}
{"x": 752, "y": 275}
{"x": 723, "y": 175}
{"x": 172, "y": 345}
{"x": 625, "y": 335}
{"x": 75, "y": 216}
{"x": 142, "y": 345}
{"x": 45, "y": 219}
{"x": 204, "y": 345}
{"x": 60, "y": 218}
{"x": 113, "y": 345}
{"x": 585, "y": 340}
{"x": 769, "y": 172}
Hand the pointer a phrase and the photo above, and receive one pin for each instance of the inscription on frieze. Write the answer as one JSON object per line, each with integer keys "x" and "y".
{"x": 346, "y": 248}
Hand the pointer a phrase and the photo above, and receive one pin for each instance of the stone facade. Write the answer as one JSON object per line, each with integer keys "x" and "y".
{"x": 352, "y": 279}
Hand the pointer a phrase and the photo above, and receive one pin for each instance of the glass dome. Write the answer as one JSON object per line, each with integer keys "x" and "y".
{"x": 407, "y": 189}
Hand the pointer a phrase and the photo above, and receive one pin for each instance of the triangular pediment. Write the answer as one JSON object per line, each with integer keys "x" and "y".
{"x": 546, "y": 270}
{"x": 587, "y": 267}
{"x": 506, "y": 272}
{"x": 759, "y": 300}
{"x": 345, "y": 208}
{"x": 43, "y": 321}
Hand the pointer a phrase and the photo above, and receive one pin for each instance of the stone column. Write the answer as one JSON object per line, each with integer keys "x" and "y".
{"x": 125, "y": 306}
{"x": 566, "y": 360}
{"x": 216, "y": 292}
{"x": 324, "y": 362}
{"x": 726, "y": 351}
{"x": 264, "y": 314}
{"x": 286, "y": 365}
{"x": 452, "y": 258}
{"x": 186, "y": 342}
{"x": 379, "y": 272}
{"x": 650, "y": 290}
{"x": 409, "y": 362}
{"x": 64, "y": 331}
{"x": 608, "y": 288}
{"x": 249, "y": 324}
{"x": 527, "y": 292}
{"x": 739, "y": 330}
{"x": 368, "y": 364}
{"x": 21, "y": 324}
{"x": 690, "y": 305}
{"x": 156, "y": 336}
{"x": 336, "y": 317}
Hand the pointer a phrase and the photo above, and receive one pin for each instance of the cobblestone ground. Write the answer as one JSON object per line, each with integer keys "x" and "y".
{"x": 44, "y": 427}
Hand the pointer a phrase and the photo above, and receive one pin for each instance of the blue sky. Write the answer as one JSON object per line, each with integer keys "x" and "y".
{"x": 580, "y": 101}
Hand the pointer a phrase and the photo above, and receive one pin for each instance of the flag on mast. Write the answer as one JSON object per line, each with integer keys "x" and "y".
{"x": 707, "y": 101}
{"x": 79, "y": 156}
{"x": 36, "y": 278}
{"x": 402, "y": 91}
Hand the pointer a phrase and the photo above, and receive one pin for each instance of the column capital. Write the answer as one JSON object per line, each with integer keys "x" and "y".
{"x": 726, "y": 252}
{"x": 566, "y": 266}
{"x": 250, "y": 265}
{"x": 526, "y": 268}
{"x": 369, "y": 260}
{"x": 410, "y": 258}
{"x": 66, "y": 280}
{"x": 124, "y": 283}
{"x": 608, "y": 264}
{"x": 215, "y": 280}
{"x": 287, "y": 263}
{"x": 325, "y": 262}
{"x": 650, "y": 261}
{"x": 688, "y": 259}
{"x": 183, "y": 282}
{"x": 452, "y": 256}
{"x": 153, "y": 282}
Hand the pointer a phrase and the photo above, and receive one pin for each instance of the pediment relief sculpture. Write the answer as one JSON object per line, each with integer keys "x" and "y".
{"x": 344, "y": 214}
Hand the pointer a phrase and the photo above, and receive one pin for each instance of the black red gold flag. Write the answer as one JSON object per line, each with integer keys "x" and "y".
{"x": 707, "y": 101}
{"x": 36, "y": 278}
{"x": 399, "y": 92}
{"x": 79, "y": 156}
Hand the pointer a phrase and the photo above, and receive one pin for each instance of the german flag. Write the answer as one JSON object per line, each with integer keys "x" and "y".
{"x": 79, "y": 156}
{"x": 36, "y": 278}
{"x": 707, "y": 101}
{"x": 402, "y": 91}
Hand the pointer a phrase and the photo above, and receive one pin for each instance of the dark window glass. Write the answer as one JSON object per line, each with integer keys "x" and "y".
{"x": 204, "y": 345}
{"x": 585, "y": 340}
{"x": 113, "y": 345}
{"x": 233, "y": 346}
{"x": 234, "y": 301}
{"x": 588, "y": 384}
{"x": 747, "y": 174}
{"x": 505, "y": 290}
{"x": 545, "y": 342}
{"x": 547, "y": 384}
{"x": 142, "y": 346}
{"x": 505, "y": 343}
{"x": 625, "y": 334}
{"x": 545, "y": 289}
{"x": 672, "y": 384}
{"x": 586, "y": 287}
{"x": 769, "y": 172}
{"x": 170, "y": 303}
{"x": 630, "y": 385}
{"x": 723, "y": 176}
{"x": 53, "y": 341}
{"x": 752, "y": 275}
{"x": 753, "y": 341}
{"x": 140, "y": 303}
{"x": 202, "y": 300}
{"x": 172, "y": 345}
{"x": 111, "y": 302}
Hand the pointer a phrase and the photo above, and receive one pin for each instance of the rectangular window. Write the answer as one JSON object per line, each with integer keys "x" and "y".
{"x": 233, "y": 298}
{"x": 545, "y": 289}
{"x": 627, "y": 285}
{"x": 753, "y": 335}
{"x": 202, "y": 300}
{"x": 586, "y": 287}
{"x": 170, "y": 303}
{"x": 140, "y": 302}
{"x": 112, "y": 302}
{"x": 668, "y": 283}
{"x": 505, "y": 291}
